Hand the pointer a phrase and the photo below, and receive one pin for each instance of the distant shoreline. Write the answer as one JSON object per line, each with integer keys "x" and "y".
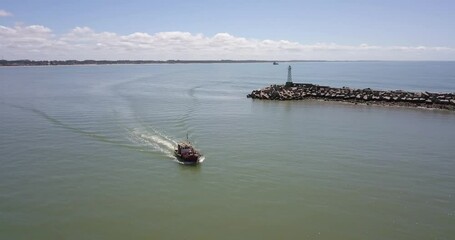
{"x": 27, "y": 62}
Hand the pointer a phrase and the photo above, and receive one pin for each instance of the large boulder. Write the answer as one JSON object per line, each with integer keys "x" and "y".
{"x": 275, "y": 94}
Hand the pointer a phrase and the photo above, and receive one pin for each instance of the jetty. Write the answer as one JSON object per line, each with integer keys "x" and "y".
{"x": 305, "y": 91}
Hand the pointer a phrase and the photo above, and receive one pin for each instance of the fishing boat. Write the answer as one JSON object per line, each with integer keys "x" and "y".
{"x": 275, "y": 63}
{"x": 186, "y": 153}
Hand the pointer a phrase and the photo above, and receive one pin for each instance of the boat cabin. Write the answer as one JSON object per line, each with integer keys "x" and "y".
{"x": 184, "y": 148}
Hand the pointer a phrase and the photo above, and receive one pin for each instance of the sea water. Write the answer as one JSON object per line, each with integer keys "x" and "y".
{"x": 86, "y": 152}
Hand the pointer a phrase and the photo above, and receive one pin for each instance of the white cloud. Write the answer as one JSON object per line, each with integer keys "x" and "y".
{"x": 39, "y": 42}
{"x": 4, "y": 13}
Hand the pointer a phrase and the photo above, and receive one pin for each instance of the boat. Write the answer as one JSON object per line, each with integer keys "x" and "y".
{"x": 275, "y": 63}
{"x": 186, "y": 153}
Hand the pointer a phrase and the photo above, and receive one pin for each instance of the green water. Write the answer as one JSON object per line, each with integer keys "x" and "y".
{"x": 86, "y": 153}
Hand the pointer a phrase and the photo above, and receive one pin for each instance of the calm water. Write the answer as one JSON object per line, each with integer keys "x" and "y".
{"x": 86, "y": 153}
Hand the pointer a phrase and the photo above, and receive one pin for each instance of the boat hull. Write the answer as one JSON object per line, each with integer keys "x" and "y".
{"x": 187, "y": 159}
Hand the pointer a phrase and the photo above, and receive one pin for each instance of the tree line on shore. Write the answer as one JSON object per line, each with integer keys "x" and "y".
{"x": 27, "y": 62}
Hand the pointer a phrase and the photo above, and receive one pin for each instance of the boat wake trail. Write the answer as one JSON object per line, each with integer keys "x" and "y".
{"x": 56, "y": 122}
{"x": 155, "y": 140}
{"x": 138, "y": 139}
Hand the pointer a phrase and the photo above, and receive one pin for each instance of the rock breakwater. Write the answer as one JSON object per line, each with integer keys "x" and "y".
{"x": 302, "y": 91}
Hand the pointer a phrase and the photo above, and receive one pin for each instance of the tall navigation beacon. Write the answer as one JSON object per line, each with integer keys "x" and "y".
{"x": 289, "y": 81}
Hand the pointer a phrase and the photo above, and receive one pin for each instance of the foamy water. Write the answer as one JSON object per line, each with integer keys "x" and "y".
{"x": 155, "y": 140}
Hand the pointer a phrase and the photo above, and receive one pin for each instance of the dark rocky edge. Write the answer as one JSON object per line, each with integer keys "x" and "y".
{"x": 302, "y": 91}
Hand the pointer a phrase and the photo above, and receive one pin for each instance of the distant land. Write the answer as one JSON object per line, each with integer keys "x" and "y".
{"x": 27, "y": 62}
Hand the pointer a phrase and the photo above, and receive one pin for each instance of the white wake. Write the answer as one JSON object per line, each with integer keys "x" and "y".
{"x": 155, "y": 140}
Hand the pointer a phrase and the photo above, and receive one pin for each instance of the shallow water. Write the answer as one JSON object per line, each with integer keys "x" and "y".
{"x": 86, "y": 153}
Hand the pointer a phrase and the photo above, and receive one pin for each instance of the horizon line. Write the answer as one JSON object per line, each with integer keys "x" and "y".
{"x": 214, "y": 60}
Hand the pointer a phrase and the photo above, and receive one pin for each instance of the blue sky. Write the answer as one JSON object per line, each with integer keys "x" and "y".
{"x": 424, "y": 30}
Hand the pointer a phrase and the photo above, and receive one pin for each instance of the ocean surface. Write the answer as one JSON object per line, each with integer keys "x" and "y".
{"x": 86, "y": 153}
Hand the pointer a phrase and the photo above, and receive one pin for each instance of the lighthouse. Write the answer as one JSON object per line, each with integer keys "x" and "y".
{"x": 289, "y": 81}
